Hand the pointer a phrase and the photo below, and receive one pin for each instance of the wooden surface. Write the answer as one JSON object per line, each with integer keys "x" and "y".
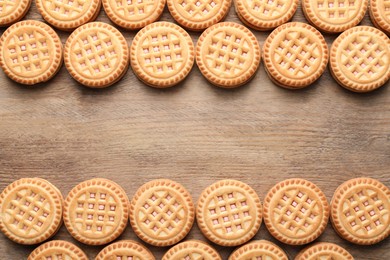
{"x": 194, "y": 133}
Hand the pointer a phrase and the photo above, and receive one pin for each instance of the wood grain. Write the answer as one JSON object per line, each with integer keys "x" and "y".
{"x": 194, "y": 133}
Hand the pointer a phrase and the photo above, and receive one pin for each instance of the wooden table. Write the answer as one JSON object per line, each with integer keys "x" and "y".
{"x": 196, "y": 134}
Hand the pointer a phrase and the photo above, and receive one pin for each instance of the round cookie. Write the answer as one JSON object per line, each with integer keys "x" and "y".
{"x": 324, "y": 250}
{"x": 360, "y": 211}
{"x": 296, "y": 211}
{"x": 68, "y": 15}
{"x": 31, "y": 211}
{"x": 12, "y": 11}
{"x": 360, "y": 59}
{"x": 259, "y": 249}
{"x": 228, "y": 54}
{"x": 295, "y": 55}
{"x": 96, "y": 55}
{"x": 380, "y": 14}
{"x": 125, "y": 249}
{"x": 334, "y": 16}
{"x": 133, "y": 14}
{"x": 200, "y": 14}
{"x": 265, "y": 15}
{"x": 96, "y": 211}
{"x": 162, "y": 54}
{"x": 229, "y": 213}
{"x": 192, "y": 249}
{"x": 162, "y": 212}
{"x": 57, "y": 249}
{"x": 30, "y": 52}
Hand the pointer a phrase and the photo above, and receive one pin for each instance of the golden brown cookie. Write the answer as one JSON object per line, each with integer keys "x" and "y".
{"x": 259, "y": 249}
{"x": 133, "y": 14}
{"x": 125, "y": 249}
{"x": 96, "y": 211}
{"x": 296, "y": 211}
{"x": 324, "y": 250}
{"x": 162, "y": 54}
{"x": 360, "y": 211}
{"x": 162, "y": 212}
{"x": 191, "y": 250}
{"x": 265, "y": 15}
{"x": 96, "y": 55}
{"x": 380, "y": 14}
{"x": 197, "y": 15}
{"x": 12, "y": 11}
{"x": 229, "y": 213}
{"x": 57, "y": 249}
{"x": 68, "y": 14}
{"x": 31, "y": 210}
{"x": 295, "y": 55}
{"x": 360, "y": 59}
{"x": 334, "y": 16}
{"x": 30, "y": 52}
{"x": 228, "y": 54}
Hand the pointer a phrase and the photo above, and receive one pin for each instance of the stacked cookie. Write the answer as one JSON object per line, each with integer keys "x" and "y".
{"x": 162, "y": 213}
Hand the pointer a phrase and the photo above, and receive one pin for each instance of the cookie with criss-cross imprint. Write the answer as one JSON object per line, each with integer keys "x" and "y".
{"x": 125, "y": 249}
{"x": 12, "y": 11}
{"x": 133, "y": 14}
{"x": 162, "y": 212}
{"x": 334, "y": 16}
{"x": 96, "y": 211}
{"x": 30, "y": 52}
{"x": 191, "y": 250}
{"x": 31, "y": 210}
{"x": 324, "y": 250}
{"x": 228, "y": 54}
{"x": 229, "y": 213}
{"x": 265, "y": 15}
{"x": 57, "y": 249}
{"x": 162, "y": 54}
{"x": 296, "y": 211}
{"x": 360, "y": 211}
{"x": 197, "y": 15}
{"x": 96, "y": 55}
{"x": 380, "y": 14}
{"x": 360, "y": 59}
{"x": 295, "y": 55}
{"x": 259, "y": 249}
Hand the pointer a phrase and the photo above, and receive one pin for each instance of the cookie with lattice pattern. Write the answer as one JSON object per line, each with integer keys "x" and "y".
{"x": 162, "y": 54}
{"x": 334, "y": 16}
{"x": 295, "y": 55}
{"x": 380, "y": 14}
{"x": 229, "y": 212}
{"x": 125, "y": 249}
{"x": 133, "y": 14}
{"x": 197, "y": 15}
{"x": 228, "y": 54}
{"x": 57, "y": 249}
{"x": 296, "y": 211}
{"x": 360, "y": 211}
{"x": 192, "y": 250}
{"x": 265, "y": 15}
{"x": 30, "y": 52}
{"x": 96, "y": 55}
{"x": 360, "y": 59}
{"x": 258, "y": 249}
{"x": 96, "y": 211}
{"x": 12, "y": 11}
{"x": 324, "y": 250}
{"x": 67, "y": 15}
{"x": 31, "y": 210}
{"x": 162, "y": 212}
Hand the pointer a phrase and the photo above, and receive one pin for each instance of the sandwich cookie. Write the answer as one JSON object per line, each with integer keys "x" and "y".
{"x": 12, "y": 11}
{"x": 192, "y": 249}
{"x": 125, "y": 249}
{"x": 259, "y": 249}
{"x": 57, "y": 249}
{"x": 324, "y": 250}
{"x": 380, "y": 14}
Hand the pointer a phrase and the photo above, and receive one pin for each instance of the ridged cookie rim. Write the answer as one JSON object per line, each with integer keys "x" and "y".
{"x": 125, "y": 244}
{"x": 305, "y": 253}
{"x": 267, "y": 211}
{"x": 378, "y": 19}
{"x": 256, "y": 245}
{"x": 13, "y": 17}
{"x": 189, "y": 244}
{"x": 58, "y": 243}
